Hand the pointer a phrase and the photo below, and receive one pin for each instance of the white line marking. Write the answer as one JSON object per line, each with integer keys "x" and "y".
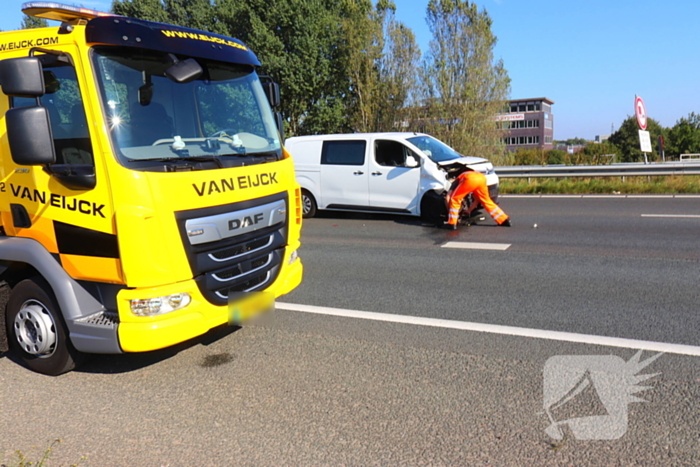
{"x": 682, "y": 216}
{"x": 506, "y": 195}
{"x": 651, "y": 346}
{"x": 477, "y": 246}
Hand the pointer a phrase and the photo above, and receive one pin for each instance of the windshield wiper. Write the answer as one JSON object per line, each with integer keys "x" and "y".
{"x": 185, "y": 158}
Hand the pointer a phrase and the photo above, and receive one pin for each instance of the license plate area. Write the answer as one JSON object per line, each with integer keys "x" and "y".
{"x": 245, "y": 306}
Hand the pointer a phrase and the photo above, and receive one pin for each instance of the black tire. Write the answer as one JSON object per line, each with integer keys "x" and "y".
{"x": 308, "y": 204}
{"x": 36, "y": 330}
{"x": 432, "y": 208}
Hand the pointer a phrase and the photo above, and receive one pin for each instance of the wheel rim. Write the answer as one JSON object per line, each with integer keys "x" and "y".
{"x": 35, "y": 329}
{"x": 306, "y": 202}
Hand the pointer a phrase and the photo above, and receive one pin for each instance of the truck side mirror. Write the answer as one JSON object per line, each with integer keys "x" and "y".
{"x": 22, "y": 77}
{"x": 29, "y": 135}
{"x": 272, "y": 91}
{"x": 412, "y": 162}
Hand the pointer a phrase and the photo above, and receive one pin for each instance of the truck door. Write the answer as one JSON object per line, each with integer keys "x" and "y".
{"x": 72, "y": 220}
{"x": 344, "y": 177}
{"x": 393, "y": 183}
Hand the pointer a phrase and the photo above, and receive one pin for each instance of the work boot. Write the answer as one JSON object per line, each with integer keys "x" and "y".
{"x": 449, "y": 226}
{"x": 506, "y": 223}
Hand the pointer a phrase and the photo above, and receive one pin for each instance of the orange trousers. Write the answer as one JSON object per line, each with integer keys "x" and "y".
{"x": 473, "y": 182}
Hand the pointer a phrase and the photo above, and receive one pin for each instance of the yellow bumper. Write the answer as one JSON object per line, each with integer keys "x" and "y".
{"x": 141, "y": 334}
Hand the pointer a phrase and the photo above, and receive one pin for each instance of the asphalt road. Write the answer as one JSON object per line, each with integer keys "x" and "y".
{"x": 311, "y": 389}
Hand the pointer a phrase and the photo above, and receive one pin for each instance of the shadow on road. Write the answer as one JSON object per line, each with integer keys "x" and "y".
{"x": 127, "y": 362}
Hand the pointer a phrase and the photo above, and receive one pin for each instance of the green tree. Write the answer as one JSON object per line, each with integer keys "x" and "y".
{"x": 626, "y": 139}
{"x": 197, "y": 14}
{"x": 684, "y": 137}
{"x": 364, "y": 39}
{"x": 463, "y": 87}
{"x": 382, "y": 63}
{"x": 398, "y": 72}
{"x": 152, "y": 10}
{"x": 301, "y": 45}
{"x": 32, "y": 22}
{"x": 600, "y": 154}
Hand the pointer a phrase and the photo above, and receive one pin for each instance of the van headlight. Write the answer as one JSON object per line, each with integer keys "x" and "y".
{"x": 160, "y": 305}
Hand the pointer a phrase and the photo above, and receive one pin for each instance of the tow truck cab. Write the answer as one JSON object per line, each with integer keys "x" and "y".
{"x": 145, "y": 195}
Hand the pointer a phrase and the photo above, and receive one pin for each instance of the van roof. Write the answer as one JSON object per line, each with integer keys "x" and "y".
{"x": 395, "y": 134}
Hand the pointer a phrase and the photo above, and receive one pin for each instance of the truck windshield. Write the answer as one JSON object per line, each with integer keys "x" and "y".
{"x": 223, "y": 115}
{"x": 435, "y": 149}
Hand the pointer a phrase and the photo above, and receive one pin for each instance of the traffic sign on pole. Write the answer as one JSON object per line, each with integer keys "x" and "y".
{"x": 640, "y": 111}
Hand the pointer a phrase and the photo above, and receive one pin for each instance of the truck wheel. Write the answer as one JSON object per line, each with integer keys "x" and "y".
{"x": 36, "y": 330}
{"x": 308, "y": 204}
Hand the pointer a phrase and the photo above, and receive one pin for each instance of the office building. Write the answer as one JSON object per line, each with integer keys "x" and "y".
{"x": 529, "y": 124}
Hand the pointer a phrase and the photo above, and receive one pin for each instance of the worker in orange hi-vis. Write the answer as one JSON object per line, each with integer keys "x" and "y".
{"x": 470, "y": 181}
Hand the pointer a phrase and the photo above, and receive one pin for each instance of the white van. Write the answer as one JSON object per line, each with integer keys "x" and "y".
{"x": 376, "y": 172}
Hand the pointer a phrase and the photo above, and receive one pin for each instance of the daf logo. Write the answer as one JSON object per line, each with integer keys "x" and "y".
{"x": 247, "y": 221}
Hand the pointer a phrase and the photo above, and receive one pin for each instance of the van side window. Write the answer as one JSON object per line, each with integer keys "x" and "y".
{"x": 66, "y": 114}
{"x": 343, "y": 152}
{"x": 391, "y": 153}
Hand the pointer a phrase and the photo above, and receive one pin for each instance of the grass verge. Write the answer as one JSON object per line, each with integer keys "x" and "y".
{"x": 604, "y": 185}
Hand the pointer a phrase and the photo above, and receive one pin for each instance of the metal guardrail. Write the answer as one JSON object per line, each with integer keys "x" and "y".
{"x": 612, "y": 170}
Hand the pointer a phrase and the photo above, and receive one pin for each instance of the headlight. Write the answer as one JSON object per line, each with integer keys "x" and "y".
{"x": 293, "y": 257}
{"x": 160, "y": 305}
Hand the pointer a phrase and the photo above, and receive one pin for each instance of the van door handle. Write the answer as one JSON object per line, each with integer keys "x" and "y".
{"x": 359, "y": 172}
{"x": 376, "y": 173}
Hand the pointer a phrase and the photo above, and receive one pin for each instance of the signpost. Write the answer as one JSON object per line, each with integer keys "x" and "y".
{"x": 640, "y": 111}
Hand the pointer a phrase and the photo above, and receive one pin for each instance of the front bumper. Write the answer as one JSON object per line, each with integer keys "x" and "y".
{"x": 142, "y": 334}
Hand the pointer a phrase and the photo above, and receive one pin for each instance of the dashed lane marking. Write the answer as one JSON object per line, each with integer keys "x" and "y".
{"x": 477, "y": 246}
{"x": 651, "y": 346}
{"x": 679, "y": 216}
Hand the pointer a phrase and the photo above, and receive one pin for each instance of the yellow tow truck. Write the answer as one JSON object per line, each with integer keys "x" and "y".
{"x": 145, "y": 194}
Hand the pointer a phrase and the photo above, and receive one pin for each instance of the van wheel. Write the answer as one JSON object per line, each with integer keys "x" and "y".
{"x": 308, "y": 204}
{"x": 36, "y": 330}
{"x": 432, "y": 208}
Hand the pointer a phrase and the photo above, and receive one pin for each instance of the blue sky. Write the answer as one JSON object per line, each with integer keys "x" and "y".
{"x": 591, "y": 58}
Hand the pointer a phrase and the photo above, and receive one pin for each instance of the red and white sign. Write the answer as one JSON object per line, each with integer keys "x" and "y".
{"x": 640, "y": 111}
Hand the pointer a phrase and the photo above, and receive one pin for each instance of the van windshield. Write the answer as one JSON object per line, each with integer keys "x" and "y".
{"x": 221, "y": 115}
{"x": 435, "y": 149}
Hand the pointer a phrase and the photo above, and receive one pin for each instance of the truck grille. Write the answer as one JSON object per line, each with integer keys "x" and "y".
{"x": 224, "y": 260}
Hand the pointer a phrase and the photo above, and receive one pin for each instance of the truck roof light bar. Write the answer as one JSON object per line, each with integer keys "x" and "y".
{"x": 60, "y": 12}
